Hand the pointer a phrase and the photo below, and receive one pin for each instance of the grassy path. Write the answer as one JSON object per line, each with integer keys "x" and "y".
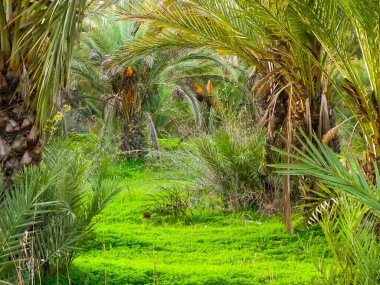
{"x": 219, "y": 248}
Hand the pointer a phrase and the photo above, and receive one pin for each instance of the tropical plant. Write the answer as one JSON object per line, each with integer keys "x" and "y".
{"x": 37, "y": 39}
{"x": 234, "y": 161}
{"x": 289, "y": 65}
{"x": 349, "y": 214}
{"x": 49, "y": 211}
{"x": 326, "y": 19}
{"x": 134, "y": 86}
{"x": 352, "y": 254}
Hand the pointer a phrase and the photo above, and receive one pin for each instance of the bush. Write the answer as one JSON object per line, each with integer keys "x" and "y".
{"x": 234, "y": 159}
{"x": 172, "y": 203}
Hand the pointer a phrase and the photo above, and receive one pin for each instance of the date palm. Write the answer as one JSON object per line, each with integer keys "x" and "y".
{"x": 362, "y": 19}
{"x": 132, "y": 86}
{"x": 349, "y": 178}
{"x": 291, "y": 84}
{"x": 36, "y": 42}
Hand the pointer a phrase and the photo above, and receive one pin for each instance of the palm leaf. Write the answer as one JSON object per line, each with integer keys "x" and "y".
{"x": 324, "y": 164}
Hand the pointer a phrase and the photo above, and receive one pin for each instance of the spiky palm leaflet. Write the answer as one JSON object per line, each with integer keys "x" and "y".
{"x": 36, "y": 44}
{"x": 49, "y": 211}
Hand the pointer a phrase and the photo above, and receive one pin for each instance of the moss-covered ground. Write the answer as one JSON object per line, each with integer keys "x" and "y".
{"x": 216, "y": 248}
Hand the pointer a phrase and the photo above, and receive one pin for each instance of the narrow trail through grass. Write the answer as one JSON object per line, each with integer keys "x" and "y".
{"x": 217, "y": 248}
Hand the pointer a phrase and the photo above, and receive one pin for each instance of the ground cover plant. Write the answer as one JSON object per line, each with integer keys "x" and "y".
{"x": 217, "y": 247}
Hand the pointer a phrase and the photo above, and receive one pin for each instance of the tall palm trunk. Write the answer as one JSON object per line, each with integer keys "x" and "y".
{"x": 286, "y": 110}
{"x": 130, "y": 113}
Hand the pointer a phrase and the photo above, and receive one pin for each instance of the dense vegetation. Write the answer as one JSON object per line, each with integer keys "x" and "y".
{"x": 190, "y": 142}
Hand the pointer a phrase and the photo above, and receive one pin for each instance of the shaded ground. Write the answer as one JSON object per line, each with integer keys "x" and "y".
{"x": 218, "y": 248}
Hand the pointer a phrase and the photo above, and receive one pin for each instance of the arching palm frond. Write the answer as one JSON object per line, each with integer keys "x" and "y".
{"x": 49, "y": 211}
{"x": 324, "y": 164}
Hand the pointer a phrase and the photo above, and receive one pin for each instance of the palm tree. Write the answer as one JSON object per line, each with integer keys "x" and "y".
{"x": 132, "y": 86}
{"x": 36, "y": 42}
{"x": 362, "y": 21}
{"x": 353, "y": 176}
{"x": 289, "y": 79}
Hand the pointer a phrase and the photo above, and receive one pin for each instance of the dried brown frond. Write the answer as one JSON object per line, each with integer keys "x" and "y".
{"x": 330, "y": 135}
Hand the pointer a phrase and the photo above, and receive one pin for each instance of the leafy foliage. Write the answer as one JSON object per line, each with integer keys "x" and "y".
{"x": 324, "y": 164}
{"x": 350, "y": 232}
{"x": 234, "y": 161}
{"x": 349, "y": 223}
{"x": 49, "y": 210}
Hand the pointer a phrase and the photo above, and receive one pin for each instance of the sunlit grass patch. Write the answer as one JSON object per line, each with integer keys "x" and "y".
{"x": 217, "y": 247}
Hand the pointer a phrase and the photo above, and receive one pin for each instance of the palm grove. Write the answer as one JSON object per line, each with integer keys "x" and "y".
{"x": 305, "y": 71}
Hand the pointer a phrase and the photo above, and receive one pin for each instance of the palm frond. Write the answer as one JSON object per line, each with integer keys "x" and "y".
{"x": 44, "y": 47}
{"x": 323, "y": 163}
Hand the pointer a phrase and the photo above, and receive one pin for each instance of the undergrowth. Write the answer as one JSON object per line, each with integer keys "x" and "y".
{"x": 217, "y": 247}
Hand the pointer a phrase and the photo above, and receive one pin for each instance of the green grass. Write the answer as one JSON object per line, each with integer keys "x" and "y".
{"x": 217, "y": 248}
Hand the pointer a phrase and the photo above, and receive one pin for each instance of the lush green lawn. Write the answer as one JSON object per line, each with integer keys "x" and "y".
{"x": 217, "y": 248}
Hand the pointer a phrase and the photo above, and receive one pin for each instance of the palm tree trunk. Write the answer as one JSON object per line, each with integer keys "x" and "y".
{"x": 153, "y": 136}
{"x": 287, "y": 117}
{"x": 132, "y": 137}
{"x": 20, "y": 143}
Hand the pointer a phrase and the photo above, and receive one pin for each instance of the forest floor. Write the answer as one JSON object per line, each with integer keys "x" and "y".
{"x": 216, "y": 247}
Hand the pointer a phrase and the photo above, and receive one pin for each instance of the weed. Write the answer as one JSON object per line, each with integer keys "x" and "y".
{"x": 170, "y": 202}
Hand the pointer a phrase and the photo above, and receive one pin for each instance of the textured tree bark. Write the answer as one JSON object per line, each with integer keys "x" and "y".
{"x": 20, "y": 143}
{"x": 132, "y": 137}
{"x": 287, "y": 204}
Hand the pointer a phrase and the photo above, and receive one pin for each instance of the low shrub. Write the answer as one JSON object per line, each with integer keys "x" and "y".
{"x": 169, "y": 203}
{"x": 234, "y": 159}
